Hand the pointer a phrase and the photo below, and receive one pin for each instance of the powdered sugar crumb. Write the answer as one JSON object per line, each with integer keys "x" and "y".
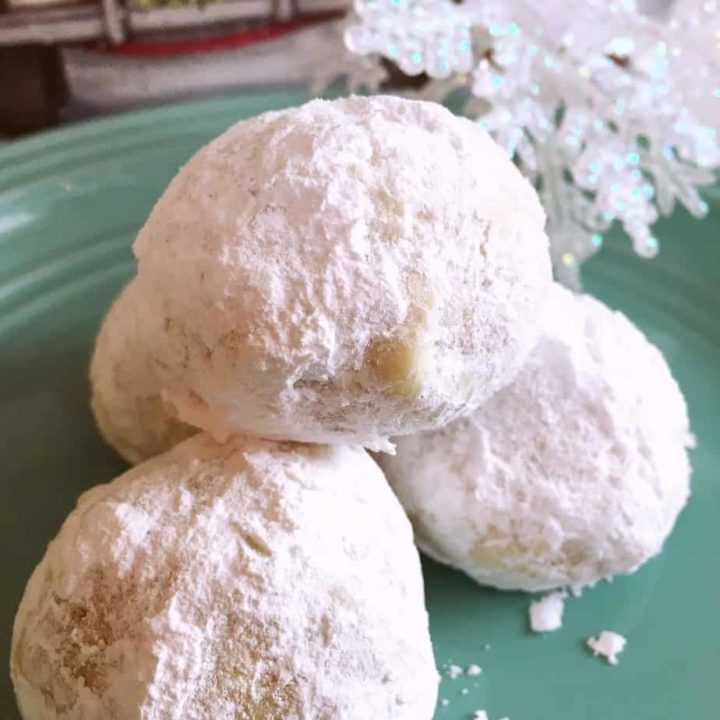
{"x": 546, "y": 614}
{"x": 609, "y": 644}
{"x": 480, "y": 715}
{"x": 453, "y": 671}
{"x": 473, "y": 670}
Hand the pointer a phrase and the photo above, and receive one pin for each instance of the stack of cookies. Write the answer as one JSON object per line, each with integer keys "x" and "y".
{"x": 362, "y": 274}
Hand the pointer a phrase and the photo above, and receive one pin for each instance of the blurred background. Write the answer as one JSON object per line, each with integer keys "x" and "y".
{"x": 610, "y": 108}
{"x": 62, "y": 60}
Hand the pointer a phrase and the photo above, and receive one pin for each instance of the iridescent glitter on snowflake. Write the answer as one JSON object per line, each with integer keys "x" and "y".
{"x": 611, "y": 114}
{"x": 417, "y": 36}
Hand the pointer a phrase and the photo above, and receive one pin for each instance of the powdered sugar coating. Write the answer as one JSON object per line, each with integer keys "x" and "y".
{"x": 546, "y": 614}
{"x": 609, "y": 644}
{"x": 342, "y": 272}
{"x": 129, "y": 410}
{"x": 249, "y": 580}
{"x": 574, "y": 472}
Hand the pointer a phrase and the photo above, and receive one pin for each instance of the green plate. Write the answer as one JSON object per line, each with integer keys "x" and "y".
{"x": 70, "y": 204}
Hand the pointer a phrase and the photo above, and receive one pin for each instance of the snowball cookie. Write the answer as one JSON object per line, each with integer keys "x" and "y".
{"x": 574, "y": 472}
{"x": 253, "y": 581}
{"x": 129, "y": 410}
{"x": 342, "y": 272}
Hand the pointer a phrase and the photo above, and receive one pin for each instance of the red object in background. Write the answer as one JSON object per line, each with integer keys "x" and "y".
{"x": 32, "y": 33}
{"x": 241, "y": 38}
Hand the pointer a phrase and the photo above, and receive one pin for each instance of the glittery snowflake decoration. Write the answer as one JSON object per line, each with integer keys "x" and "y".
{"x": 612, "y": 115}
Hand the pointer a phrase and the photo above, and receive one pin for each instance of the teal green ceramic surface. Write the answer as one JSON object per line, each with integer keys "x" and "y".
{"x": 70, "y": 205}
